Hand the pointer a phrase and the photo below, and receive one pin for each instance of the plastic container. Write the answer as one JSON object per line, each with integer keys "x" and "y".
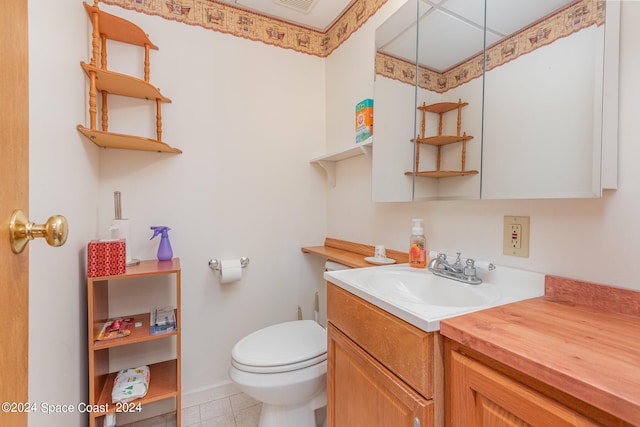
{"x": 417, "y": 245}
{"x": 165, "y": 253}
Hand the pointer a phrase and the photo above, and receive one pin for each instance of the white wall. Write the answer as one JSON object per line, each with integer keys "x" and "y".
{"x": 590, "y": 239}
{"x": 63, "y": 178}
{"x": 248, "y": 117}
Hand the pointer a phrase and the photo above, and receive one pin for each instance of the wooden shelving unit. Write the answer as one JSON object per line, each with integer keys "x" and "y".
{"x": 441, "y": 108}
{"x": 105, "y": 82}
{"x": 165, "y": 376}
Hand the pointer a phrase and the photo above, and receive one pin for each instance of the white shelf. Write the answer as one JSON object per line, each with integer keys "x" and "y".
{"x": 328, "y": 161}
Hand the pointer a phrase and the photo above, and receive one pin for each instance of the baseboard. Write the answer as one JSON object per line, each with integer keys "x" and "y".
{"x": 209, "y": 393}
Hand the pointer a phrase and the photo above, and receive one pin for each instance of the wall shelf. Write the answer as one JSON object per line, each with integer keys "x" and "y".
{"x": 439, "y": 140}
{"x": 126, "y": 142}
{"x": 328, "y": 161}
{"x": 103, "y": 82}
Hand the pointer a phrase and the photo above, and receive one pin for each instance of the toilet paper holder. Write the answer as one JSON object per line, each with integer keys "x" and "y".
{"x": 214, "y": 264}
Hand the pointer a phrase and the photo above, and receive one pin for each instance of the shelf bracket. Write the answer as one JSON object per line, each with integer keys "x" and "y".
{"x": 329, "y": 167}
{"x": 328, "y": 162}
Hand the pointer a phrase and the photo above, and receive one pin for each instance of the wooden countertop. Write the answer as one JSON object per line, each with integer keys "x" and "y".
{"x": 588, "y": 352}
{"x": 351, "y": 254}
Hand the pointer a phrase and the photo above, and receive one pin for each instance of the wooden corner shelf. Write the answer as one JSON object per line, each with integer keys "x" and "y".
{"x": 439, "y": 140}
{"x": 442, "y": 174}
{"x": 104, "y": 82}
{"x": 123, "y": 84}
{"x": 126, "y": 142}
{"x": 118, "y": 29}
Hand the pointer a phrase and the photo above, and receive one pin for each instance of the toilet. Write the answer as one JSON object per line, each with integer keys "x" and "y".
{"x": 285, "y": 367}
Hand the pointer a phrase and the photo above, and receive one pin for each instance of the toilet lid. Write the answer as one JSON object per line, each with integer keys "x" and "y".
{"x": 299, "y": 343}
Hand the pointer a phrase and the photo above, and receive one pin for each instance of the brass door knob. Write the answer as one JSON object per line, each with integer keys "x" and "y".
{"x": 21, "y": 230}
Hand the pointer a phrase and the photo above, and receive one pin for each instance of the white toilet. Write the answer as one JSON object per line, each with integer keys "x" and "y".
{"x": 285, "y": 367}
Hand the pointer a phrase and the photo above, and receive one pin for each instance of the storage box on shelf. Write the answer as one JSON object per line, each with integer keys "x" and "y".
{"x": 110, "y": 27}
{"x": 165, "y": 375}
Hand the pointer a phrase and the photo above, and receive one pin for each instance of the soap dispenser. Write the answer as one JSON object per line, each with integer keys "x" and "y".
{"x": 417, "y": 245}
{"x": 165, "y": 253}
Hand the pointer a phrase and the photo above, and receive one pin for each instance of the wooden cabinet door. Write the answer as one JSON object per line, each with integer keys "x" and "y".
{"x": 480, "y": 396}
{"x": 362, "y": 392}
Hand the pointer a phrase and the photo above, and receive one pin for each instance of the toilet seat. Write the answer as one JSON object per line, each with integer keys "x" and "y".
{"x": 281, "y": 348}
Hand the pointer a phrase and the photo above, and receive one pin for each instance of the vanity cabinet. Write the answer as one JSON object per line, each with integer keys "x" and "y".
{"x": 104, "y": 82}
{"x": 480, "y": 392}
{"x": 381, "y": 370}
{"x": 103, "y": 366}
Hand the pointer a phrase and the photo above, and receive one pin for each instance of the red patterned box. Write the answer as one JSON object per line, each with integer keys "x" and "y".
{"x": 106, "y": 258}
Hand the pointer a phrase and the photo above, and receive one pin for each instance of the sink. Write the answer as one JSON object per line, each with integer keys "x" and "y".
{"x": 423, "y": 299}
{"x": 419, "y": 288}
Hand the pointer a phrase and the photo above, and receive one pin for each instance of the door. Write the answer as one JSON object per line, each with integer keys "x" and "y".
{"x": 479, "y": 396}
{"x": 362, "y": 392}
{"x": 14, "y": 194}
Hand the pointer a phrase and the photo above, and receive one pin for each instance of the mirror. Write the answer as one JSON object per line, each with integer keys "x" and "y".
{"x": 535, "y": 115}
{"x": 417, "y": 64}
{"x": 543, "y": 99}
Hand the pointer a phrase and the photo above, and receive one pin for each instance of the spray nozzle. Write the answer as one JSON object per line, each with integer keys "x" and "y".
{"x": 417, "y": 226}
{"x": 160, "y": 230}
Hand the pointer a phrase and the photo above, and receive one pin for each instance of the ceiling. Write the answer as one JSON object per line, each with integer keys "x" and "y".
{"x": 452, "y": 31}
{"x": 316, "y": 14}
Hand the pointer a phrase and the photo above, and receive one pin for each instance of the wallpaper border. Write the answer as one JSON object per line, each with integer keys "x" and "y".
{"x": 228, "y": 19}
{"x": 575, "y": 17}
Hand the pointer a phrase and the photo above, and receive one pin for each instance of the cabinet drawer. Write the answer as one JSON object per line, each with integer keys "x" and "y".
{"x": 402, "y": 348}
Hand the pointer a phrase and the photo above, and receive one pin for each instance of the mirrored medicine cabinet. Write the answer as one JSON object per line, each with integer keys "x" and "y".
{"x": 496, "y": 99}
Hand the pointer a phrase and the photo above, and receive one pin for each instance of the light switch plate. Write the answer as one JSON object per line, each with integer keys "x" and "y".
{"x": 516, "y": 236}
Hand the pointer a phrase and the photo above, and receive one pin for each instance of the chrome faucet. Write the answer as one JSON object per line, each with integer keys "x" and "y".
{"x": 466, "y": 273}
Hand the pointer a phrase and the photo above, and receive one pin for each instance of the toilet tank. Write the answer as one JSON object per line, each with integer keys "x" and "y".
{"x": 335, "y": 266}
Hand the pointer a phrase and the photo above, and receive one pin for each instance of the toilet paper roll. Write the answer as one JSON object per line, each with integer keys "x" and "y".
{"x": 230, "y": 270}
{"x": 120, "y": 230}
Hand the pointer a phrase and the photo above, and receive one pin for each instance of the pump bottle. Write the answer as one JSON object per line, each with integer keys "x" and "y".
{"x": 417, "y": 245}
{"x": 165, "y": 252}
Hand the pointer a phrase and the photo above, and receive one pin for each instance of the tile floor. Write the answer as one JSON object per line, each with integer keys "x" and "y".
{"x": 238, "y": 410}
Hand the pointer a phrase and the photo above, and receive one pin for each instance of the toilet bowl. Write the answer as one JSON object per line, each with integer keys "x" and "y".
{"x": 284, "y": 366}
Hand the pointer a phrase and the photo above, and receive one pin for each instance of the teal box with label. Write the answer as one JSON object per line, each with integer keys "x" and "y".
{"x": 364, "y": 120}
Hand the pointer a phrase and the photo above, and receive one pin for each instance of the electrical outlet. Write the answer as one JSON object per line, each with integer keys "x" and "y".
{"x": 516, "y": 236}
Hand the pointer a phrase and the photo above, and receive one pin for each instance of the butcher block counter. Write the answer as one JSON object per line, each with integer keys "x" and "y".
{"x": 580, "y": 343}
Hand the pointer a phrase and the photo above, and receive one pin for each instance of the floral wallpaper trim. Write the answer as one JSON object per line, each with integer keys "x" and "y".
{"x": 575, "y": 17}
{"x": 232, "y": 20}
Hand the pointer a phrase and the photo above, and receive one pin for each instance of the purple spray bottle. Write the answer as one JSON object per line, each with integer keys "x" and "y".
{"x": 165, "y": 253}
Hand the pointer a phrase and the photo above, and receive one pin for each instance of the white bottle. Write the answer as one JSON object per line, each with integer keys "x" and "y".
{"x": 417, "y": 245}
{"x": 110, "y": 420}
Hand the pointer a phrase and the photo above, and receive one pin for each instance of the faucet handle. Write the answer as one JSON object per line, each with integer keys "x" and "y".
{"x": 485, "y": 265}
{"x": 470, "y": 269}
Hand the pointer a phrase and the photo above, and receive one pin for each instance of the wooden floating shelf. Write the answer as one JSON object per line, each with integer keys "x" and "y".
{"x": 442, "y": 174}
{"x": 127, "y": 142}
{"x": 121, "y": 84}
{"x": 162, "y": 385}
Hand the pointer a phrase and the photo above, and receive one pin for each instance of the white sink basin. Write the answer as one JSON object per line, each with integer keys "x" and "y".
{"x": 423, "y": 299}
{"x": 415, "y": 287}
